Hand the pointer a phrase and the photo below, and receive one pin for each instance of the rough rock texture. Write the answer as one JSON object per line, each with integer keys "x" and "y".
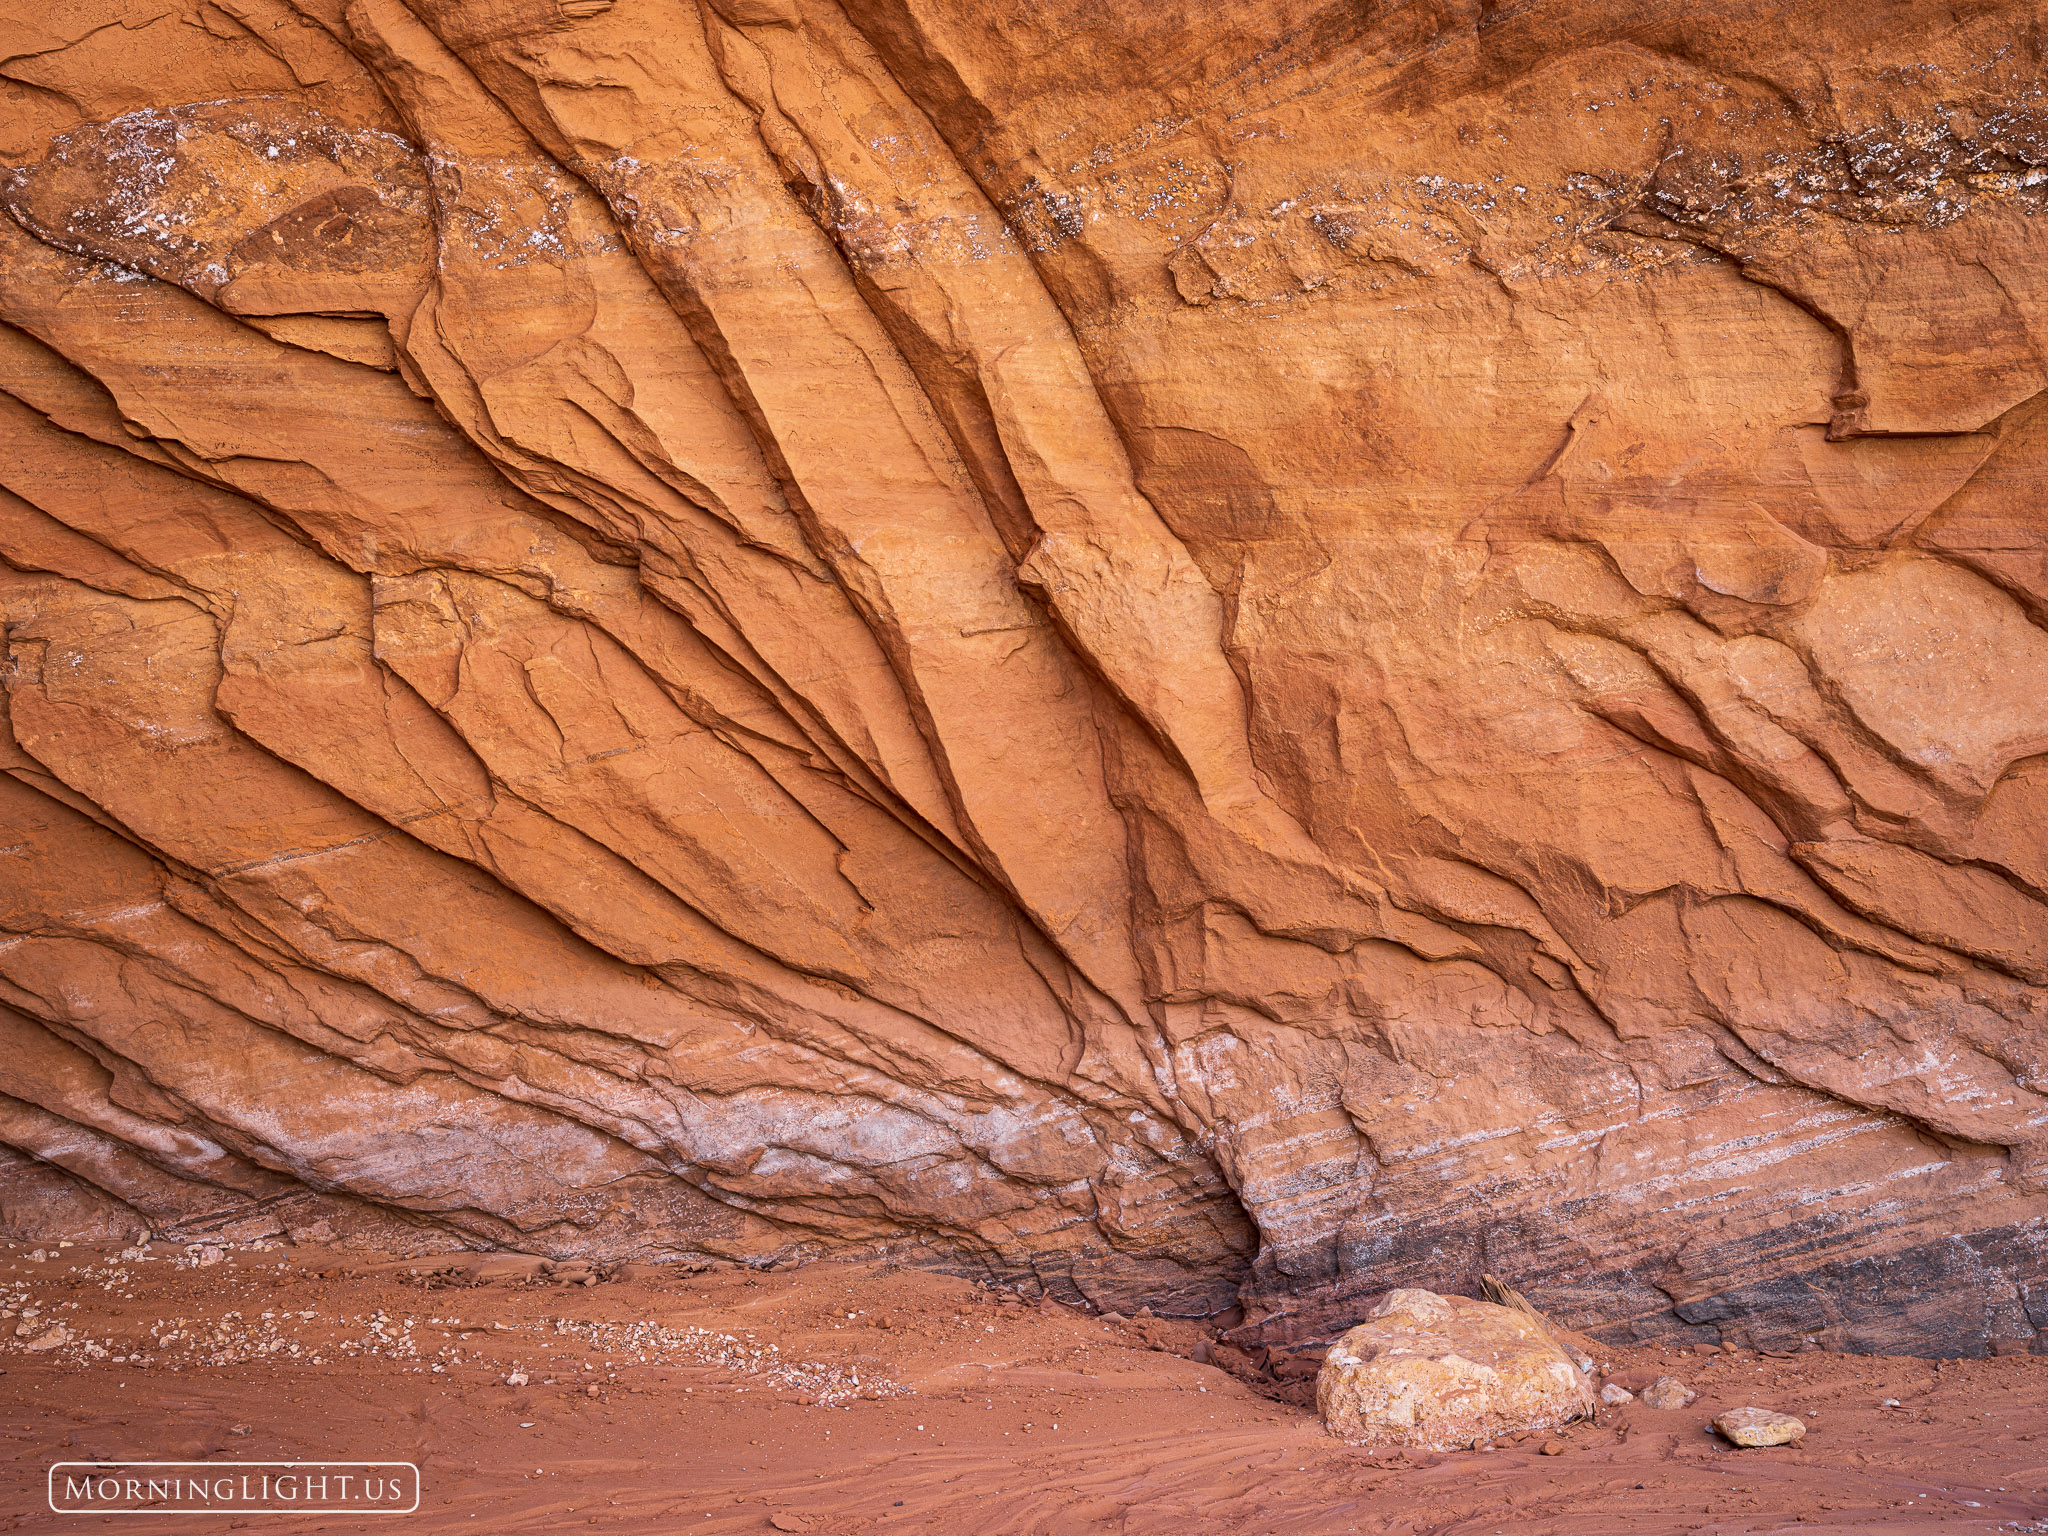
{"x": 1266, "y": 650}
{"x": 1757, "y": 1427}
{"x": 1446, "y": 1373}
{"x": 1667, "y": 1392}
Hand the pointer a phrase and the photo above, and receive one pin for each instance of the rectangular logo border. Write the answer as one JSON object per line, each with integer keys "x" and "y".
{"x": 50, "y": 1489}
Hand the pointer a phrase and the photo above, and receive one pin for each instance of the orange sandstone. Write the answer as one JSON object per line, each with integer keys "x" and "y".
{"x": 1216, "y": 654}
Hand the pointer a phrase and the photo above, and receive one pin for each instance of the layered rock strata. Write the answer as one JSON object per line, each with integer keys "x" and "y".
{"x": 1259, "y": 652}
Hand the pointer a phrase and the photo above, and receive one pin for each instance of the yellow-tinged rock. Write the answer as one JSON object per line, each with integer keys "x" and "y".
{"x": 1756, "y": 1427}
{"x": 1447, "y": 1373}
{"x": 1667, "y": 1392}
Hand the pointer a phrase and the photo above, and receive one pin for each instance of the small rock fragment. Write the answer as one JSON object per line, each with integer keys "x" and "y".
{"x": 1614, "y": 1394}
{"x": 516, "y": 1379}
{"x": 1553, "y": 1447}
{"x": 1756, "y": 1427}
{"x": 1667, "y": 1392}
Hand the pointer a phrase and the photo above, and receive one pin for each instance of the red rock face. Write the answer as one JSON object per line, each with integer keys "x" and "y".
{"x": 1273, "y": 650}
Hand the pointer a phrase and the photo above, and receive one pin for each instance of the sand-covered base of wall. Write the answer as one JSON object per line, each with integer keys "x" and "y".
{"x": 842, "y": 1399}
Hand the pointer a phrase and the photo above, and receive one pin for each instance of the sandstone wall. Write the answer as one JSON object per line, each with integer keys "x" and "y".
{"x": 1273, "y": 649}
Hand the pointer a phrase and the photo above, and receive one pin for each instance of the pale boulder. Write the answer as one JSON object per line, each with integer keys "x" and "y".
{"x": 1447, "y": 1373}
{"x": 1667, "y": 1392}
{"x": 1756, "y": 1427}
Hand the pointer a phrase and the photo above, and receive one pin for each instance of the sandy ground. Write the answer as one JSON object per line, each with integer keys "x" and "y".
{"x": 842, "y": 1399}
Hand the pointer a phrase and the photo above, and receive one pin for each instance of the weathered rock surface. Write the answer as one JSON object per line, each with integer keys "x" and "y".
{"x": 1263, "y": 651}
{"x": 1446, "y": 1373}
{"x": 1667, "y": 1392}
{"x": 1757, "y": 1427}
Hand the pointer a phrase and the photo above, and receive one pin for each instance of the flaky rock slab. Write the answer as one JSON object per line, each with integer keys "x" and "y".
{"x": 1757, "y": 1427}
{"x": 1446, "y": 1373}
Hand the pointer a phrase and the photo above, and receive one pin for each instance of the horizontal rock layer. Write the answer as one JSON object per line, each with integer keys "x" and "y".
{"x": 1258, "y": 652}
